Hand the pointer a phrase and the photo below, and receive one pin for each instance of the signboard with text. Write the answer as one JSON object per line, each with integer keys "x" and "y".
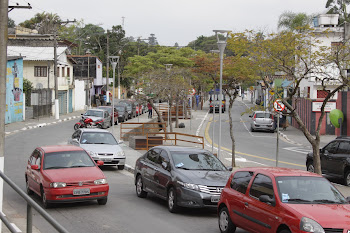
{"x": 316, "y": 106}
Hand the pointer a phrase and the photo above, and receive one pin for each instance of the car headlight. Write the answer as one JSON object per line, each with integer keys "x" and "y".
{"x": 189, "y": 186}
{"x": 120, "y": 153}
{"x": 100, "y": 181}
{"x": 91, "y": 153}
{"x": 309, "y": 225}
{"x": 58, "y": 185}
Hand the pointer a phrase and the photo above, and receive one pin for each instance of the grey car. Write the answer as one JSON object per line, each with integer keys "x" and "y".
{"x": 101, "y": 145}
{"x": 184, "y": 176}
{"x": 262, "y": 120}
{"x": 99, "y": 114}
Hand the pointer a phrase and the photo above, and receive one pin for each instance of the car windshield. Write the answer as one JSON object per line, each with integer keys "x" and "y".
{"x": 94, "y": 113}
{"x": 197, "y": 161}
{"x": 108, "y": 109}
{"x": 121, "y": 109}
{"x": 263, "y": 115}
{"x": 98, "y": 138}
{"x": 67, "y": 159}
{"x": 308, "y": 190}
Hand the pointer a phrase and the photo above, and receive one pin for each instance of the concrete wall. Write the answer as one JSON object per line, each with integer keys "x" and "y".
{"x": 79, "y": 95}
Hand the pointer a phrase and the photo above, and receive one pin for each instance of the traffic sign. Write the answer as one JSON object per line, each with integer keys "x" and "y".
{"x": 191, "y": 91}
{"x": 278, "y": 105}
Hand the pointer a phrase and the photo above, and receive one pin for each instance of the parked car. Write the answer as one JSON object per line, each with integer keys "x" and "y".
{"x": 123, "y": 114}
{"x": 263, "y": 121}
{"x": 109, "y": 109}
{"x": 216, "y": 105}
{"x": 99, "y": 114}
{"x": 335, "y": 159}
{"x": 282, "y": 200}
{"x": 130, "y": 106}
{"x": 65, "y": 173}
{"x": 101, "y": 145}
{"x": 184, "y": 176}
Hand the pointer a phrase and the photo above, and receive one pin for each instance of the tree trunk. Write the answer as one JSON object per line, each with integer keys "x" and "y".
{"x": 177, "y": 114}
{"x": 160, "y": 119}
{"x": 232, "y": 99}
{"x": 169, "y": 116}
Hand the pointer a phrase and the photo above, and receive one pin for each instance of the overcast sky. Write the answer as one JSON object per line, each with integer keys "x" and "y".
{"x": 171, "y": 21}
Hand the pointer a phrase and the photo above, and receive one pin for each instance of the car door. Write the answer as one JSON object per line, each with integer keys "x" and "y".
{"x": 327, "y": 156}
{"x": 237, "y": 192}
{"x": 162, "y": 176}
{"x": 36, "y": 174}
{"x": 262, "y": 217}
{"x": 150, "y": 168}
{"x": 336, "y": 161}
{"x": 29, "y": 172}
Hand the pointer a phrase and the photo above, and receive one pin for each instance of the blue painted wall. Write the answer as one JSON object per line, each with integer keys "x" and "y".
{"x": 14, "y": 91}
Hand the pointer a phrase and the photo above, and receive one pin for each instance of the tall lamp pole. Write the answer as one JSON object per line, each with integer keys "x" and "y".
{"x": 114, "y": 61}
{"x": 221, "y": 45}
{"x": 168, "y": 68}
{"x": 213, "y": 103}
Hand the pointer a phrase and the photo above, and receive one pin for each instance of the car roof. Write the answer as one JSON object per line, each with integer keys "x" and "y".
{"x": 96, "y": 130}
{"x": 58, "y": 148}
{"x": 102, "y": 107}
{"x": 262, "y": 112}
{"x": 279, "y": 171}
{"x": 181, "y": 148}
{"x": 97, "y": 109}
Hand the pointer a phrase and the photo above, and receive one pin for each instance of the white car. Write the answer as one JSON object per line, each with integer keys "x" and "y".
{"x": 101, "y": 145}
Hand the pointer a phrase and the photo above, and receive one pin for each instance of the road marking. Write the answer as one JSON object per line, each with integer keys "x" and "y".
{"x": 207, "y": 137}
{"x": 255, "y": 135}
{"x": 301, "y": 150}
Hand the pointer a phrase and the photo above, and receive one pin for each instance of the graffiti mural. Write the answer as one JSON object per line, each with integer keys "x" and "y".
{"x": 14, "y": 91}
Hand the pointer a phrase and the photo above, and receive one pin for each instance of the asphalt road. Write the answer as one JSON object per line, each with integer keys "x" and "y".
{"x": 124, "y": 211}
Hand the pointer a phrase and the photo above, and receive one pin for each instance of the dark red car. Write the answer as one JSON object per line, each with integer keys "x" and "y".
{"x": 282, "y": 200}
{"x": 65, "y": 173}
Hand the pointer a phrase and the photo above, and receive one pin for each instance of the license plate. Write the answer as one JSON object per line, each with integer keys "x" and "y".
{"x": 81, "y": 191}
{"x": 106, "y": 160}
{"x": 215, "y": 199}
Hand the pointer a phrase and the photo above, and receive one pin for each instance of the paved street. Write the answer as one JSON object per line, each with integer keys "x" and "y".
{"x": 125, "y": 212}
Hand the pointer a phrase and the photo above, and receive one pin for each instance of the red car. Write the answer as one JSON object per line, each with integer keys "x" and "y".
{"x": 282, "y": 200}
{"x": 65, "y": 173}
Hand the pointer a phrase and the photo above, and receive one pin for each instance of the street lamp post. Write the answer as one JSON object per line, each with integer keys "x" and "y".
{"x": 114, "y": 61}
{"x": 221, "y": 45}
{"x": 213, "y": 102}
{"x": 168, "y": 68}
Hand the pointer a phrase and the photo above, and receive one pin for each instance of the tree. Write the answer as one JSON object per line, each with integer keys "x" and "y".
{"x": 339, "y": 7}
{"x": 27, "y": 89}
{"x": 294, "y": 21}
{"x": 300, "y": 56}
{"x": 45, "y": 23}
{"x": 11, "y": 23}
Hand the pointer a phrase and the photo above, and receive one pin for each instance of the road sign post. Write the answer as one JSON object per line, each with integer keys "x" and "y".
{"x": 278, "y": 106}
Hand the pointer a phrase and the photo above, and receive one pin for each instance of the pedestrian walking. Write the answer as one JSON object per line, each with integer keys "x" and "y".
{"x": 149, "y": 110}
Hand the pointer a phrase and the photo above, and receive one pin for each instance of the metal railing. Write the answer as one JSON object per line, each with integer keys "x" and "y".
{"x": 140, "y": 129}
{"x": 186, "y": 139}
{"x": 30, "y": 204}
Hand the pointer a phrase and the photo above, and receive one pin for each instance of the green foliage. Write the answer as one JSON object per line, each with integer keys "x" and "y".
{"x": 339, "y": 7}
{"x": 45, "y": 23}
{"x": 11, "y": 23}
{"x": 294, "y": 21}
{"x": 27, "y": 89}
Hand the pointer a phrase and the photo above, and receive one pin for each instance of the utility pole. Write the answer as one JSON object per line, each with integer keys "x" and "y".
{"x": 57, "y": 114}
{"x": 18, "y": 7}
{"x": 3, "y": 68}
{"x": 107, "y": 67}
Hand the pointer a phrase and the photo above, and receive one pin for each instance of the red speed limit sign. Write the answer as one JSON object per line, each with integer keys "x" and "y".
{"x": 278, "y": 105}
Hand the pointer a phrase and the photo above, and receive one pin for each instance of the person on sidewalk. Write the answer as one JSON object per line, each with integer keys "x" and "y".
{"x": 149, "y": 110}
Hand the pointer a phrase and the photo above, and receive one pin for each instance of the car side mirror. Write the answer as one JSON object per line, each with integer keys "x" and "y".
{"x": 165, "y": 165}
{"x": 266, "y": 199}
{"x": 250, "y": 116}
{"x": 34, "y": 167}
{"x": 229, "y": 168}
{"x": 100, "y": 163}
{"x": 74, "y": 140}
{"x": 120, "y": 142}
{"x": 348, "y": 199}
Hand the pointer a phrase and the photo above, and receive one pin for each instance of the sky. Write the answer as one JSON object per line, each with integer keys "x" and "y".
{"x": 171, "y": 21}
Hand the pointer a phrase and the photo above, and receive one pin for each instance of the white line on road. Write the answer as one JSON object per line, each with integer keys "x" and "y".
{"x": 298, "y": 150}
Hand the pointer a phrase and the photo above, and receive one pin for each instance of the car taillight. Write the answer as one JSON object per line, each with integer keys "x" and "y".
{"x": 254, "y": 117}
{"x": 211, "y": 106}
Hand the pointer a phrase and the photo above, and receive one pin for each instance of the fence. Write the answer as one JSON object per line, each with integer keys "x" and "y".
{"x": 40, "y": 103}
{"x": 140, "y": 129}
{"x": 170, "y": 137}
{"x": 30, "y": 204}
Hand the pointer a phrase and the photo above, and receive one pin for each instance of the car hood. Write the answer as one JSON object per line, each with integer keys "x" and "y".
{"x": 209, "y": 178}
{"x": 74, "y": 174}
{"x": 101, "y": 148}
{"x": 328, "y": 215}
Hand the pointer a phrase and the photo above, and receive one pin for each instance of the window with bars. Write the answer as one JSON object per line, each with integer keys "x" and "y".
{"x": 40, "y": 71}
{"x": 63, "y": 74}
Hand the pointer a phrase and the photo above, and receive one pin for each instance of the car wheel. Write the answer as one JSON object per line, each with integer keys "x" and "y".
{"x": 347, "y": 178}
{"x": 225, "y": 223}
{"x": 121, "y": 167}
{"x": 29, "y": 191}
{"x": 172, "y": 201}
{"x": 251, "y": 129}
{"x": 285, "y": 231}
{"x": 139, "y": 187}
{"x": 310, "y": 167}
{"x": 102, "y": 201}
{"x": 46, "y": 205}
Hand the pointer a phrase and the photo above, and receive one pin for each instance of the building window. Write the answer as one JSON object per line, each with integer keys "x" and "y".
{"x": 321, "y": 94}
{"x": 63, "y": 74}
{"x": 58, "y": 72}
{"x": 68, "y": 72}
{"x": 40, "y": 71}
